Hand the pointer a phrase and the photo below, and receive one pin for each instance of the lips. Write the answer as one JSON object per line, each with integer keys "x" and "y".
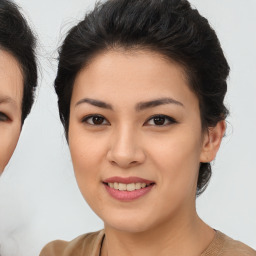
{"x": 127, "y": 189}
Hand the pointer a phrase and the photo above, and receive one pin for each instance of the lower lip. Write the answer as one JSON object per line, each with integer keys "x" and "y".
{"x": 128, "y": 195}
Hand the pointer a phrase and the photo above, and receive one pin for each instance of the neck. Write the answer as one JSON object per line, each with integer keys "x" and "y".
{"x": 187, "y": 236}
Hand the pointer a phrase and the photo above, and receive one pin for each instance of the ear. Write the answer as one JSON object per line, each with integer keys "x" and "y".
{"x": 211, "y": 142}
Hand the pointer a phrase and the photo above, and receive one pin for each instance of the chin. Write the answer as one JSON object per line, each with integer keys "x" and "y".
{"x": 131, "y": 223}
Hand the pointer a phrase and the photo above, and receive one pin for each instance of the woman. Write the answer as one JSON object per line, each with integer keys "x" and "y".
{"x": 140, "y": 88}
{"x": 18, "y": 77}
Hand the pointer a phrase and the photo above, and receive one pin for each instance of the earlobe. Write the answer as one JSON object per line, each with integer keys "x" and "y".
{"x": 212, "y": 141}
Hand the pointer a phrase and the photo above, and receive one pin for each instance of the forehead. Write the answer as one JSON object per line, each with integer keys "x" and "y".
{"x": 11, "y": 79}
{"x": 118, "y": 63}
{"x": 132, "y": 74}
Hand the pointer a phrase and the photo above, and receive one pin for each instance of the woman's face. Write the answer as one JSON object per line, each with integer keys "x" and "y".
{"x": 134, "y": 122}
{"x": 11, "y": 90}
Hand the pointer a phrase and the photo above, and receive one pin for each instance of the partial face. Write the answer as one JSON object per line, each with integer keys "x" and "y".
{"x": 135, "y": 139}
{"x": 11, "y": 90}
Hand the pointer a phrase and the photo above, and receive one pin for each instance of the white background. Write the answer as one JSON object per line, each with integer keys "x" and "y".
{"x": 39, "y": 198}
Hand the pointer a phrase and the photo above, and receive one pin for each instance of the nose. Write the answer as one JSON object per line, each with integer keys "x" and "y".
{"x": 125, "y": 150}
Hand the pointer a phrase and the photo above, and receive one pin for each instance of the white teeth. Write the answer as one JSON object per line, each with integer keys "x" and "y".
{"x": 122, "y": 187}
{"x": 143, "y": 185}
{"x": 138, "y": 186}
{"x": 116, "y": 185}
{"x": 131, "y": 187}
{"x": 127, "y": 187}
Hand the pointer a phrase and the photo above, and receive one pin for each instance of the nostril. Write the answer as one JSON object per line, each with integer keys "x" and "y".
{"x": 113, "y": 162}
{"x": 125, "y": 158}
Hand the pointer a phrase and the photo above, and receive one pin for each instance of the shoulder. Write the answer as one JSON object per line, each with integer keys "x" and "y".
{"x": 236, "y": 248}
{"x": 223, "y": 245}
{"x": 85, "y": 244}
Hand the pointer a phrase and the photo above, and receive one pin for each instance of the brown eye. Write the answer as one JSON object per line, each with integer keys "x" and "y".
{"x": 160, "y": 120}
{"x": 3, "y": 117}
{"x": 95, "y": 120}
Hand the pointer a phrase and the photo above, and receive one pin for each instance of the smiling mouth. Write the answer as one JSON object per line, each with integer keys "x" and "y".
{"x": 128, "y": 187}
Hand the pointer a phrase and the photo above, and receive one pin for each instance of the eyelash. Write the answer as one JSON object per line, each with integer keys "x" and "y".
{"x": 3, "y": 117}
{"x": 167, "y": 120}
{"x": 87, "y": 118}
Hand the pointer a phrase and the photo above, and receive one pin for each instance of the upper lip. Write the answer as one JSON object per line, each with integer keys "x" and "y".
{"x": 127, "y": 180}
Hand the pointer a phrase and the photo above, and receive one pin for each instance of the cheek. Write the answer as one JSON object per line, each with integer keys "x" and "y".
{"x": 85, "y": 150}
{"x": 9, "y": 135}
{"x": 177, "y": 159}
{"x": 87, "y": 154}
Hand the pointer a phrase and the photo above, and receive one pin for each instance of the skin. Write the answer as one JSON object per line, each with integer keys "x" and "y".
{"x": 11, "y": 90}
{"x": 129, "y": 143}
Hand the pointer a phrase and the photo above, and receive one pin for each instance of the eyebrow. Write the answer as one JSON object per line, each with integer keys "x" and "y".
{"x": 7, "y": 100}
{"x": 154, "y": 103}
{"x": 139, "y": 106}
{"x": 96, "y": 103}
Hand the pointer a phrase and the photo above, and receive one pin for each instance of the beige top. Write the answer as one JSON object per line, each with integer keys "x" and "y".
{"x": 90, "y": 244}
